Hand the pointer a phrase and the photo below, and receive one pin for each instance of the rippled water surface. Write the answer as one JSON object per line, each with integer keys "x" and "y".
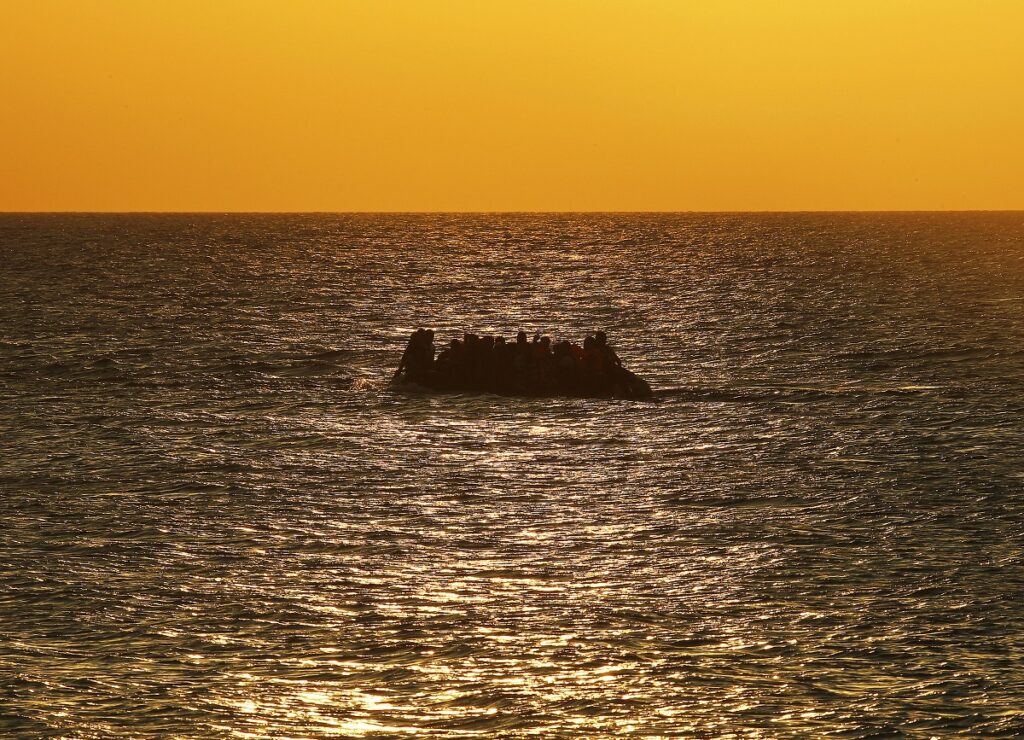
{"x": 218, "y": 520}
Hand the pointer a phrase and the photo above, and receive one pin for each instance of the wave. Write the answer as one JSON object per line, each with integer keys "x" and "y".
{"x": 788, "y": 394}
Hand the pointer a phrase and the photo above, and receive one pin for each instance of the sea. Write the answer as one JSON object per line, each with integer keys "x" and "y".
{"x": 217, "y": 519}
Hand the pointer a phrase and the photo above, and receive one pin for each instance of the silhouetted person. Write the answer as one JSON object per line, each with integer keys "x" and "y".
{"x": 428, "y": 346}
{"x": 609, "y": 354}
{"x": 470, "y": 355}
{"x": 500, "y": 365}
{"x": 544, "y": 366}
{"x": 577, "y": 354}
{"x": 566, "y": 377}
{"x": 485, "y": 364}
{"x": 521, "y": 363}
{"x": 593, "y": 368}
{"x": 447, "y": 365}
{"x": 418, "y": 356}
{"x": 444, "y": 357}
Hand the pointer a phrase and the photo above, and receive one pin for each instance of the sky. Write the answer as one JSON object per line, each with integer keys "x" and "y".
{"x": 524, "y": 105}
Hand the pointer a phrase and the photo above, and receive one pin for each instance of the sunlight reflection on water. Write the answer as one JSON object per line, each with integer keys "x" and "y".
{"x": 219, "y": 520}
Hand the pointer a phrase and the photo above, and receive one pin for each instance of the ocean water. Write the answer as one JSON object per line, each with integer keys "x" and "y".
{"x": 217, "y": 520}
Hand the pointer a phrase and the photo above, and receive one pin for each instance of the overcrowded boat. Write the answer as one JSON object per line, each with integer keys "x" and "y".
{"x": 490, "y": 364}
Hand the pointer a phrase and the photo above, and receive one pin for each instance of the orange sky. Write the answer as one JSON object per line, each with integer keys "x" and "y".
{"x": 522, "y": 105}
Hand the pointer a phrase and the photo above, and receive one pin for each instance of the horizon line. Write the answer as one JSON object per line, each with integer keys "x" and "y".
{"x": 501, "y": 212}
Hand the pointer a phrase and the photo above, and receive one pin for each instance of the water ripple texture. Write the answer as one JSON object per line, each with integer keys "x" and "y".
{"x": 219, "y": 521}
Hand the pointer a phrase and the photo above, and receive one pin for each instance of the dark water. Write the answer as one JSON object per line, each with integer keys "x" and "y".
{"x": 217, "y": 520}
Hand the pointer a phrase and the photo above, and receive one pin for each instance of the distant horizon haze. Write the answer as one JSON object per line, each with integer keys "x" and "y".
{"x": 511, "y": 107}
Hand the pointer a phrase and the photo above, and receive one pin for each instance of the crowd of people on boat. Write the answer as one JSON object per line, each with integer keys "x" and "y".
{"x": 521, "y": 367}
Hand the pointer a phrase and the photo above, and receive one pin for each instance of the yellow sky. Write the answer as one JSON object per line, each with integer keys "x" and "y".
{"x": 520, "y": 105}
